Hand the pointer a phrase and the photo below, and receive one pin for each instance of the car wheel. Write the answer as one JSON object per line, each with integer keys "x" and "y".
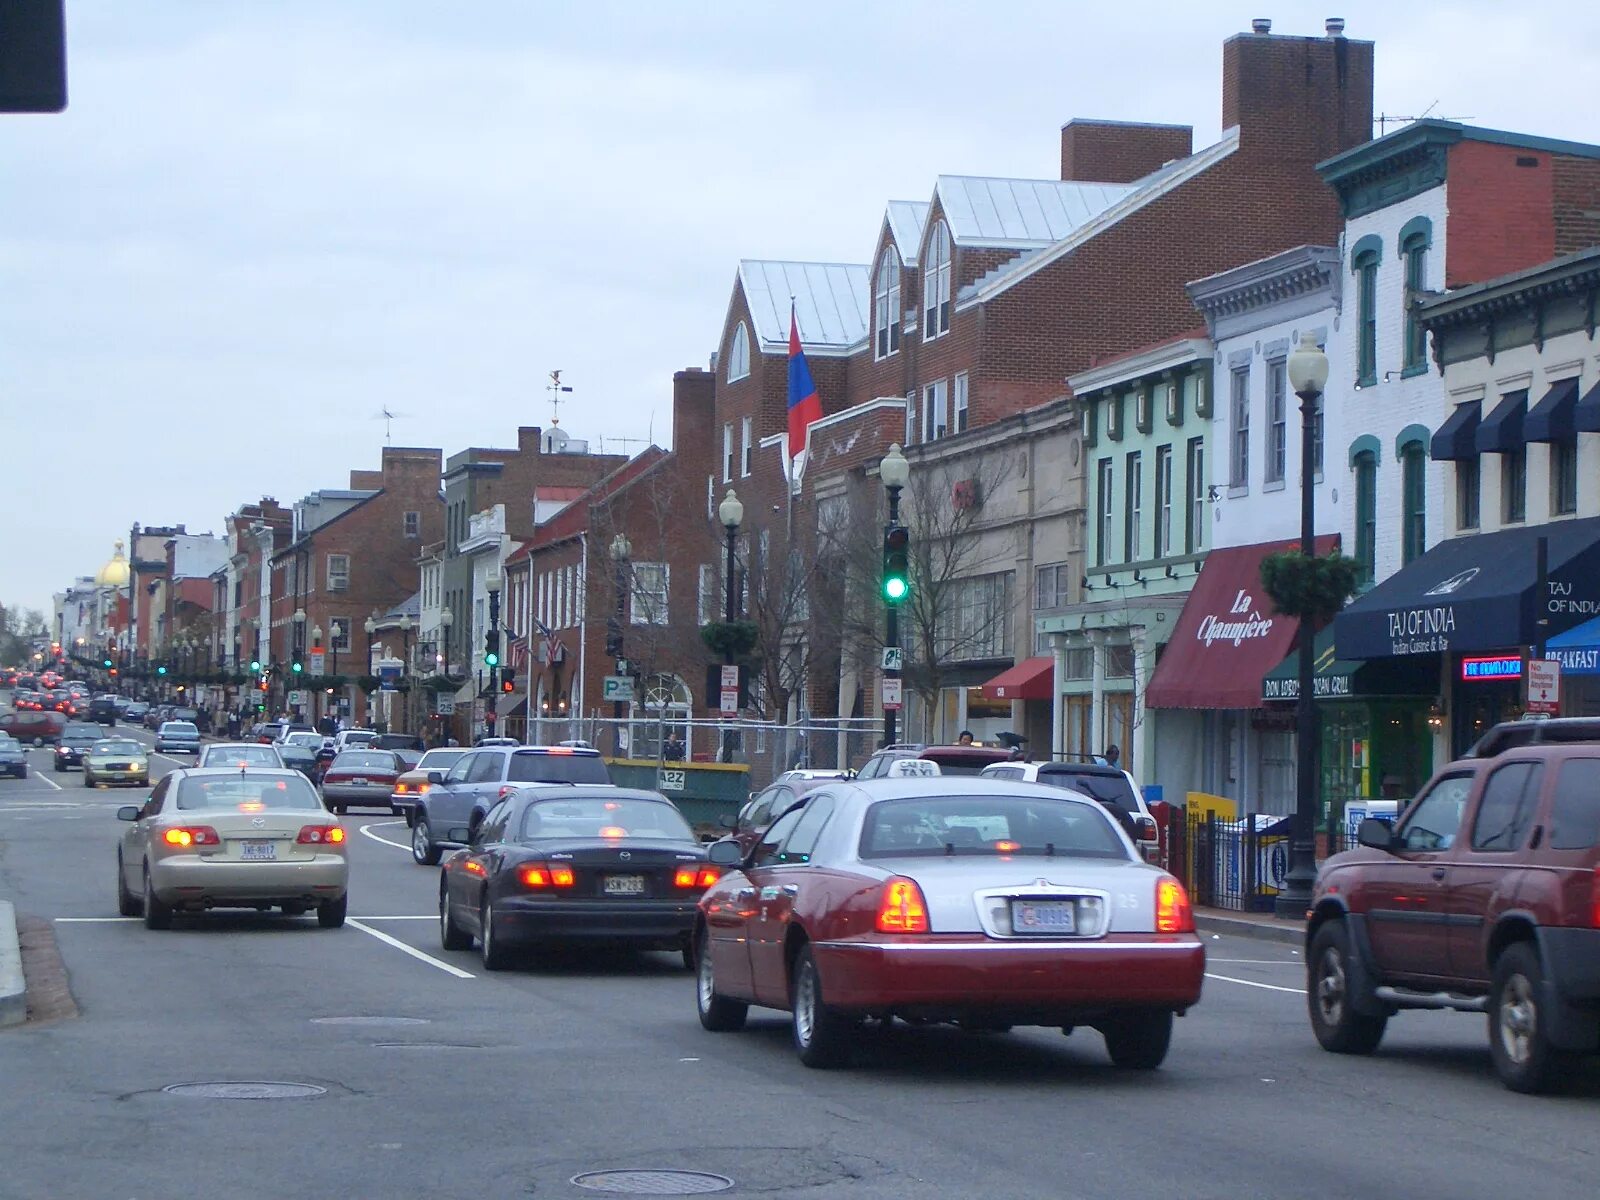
{"x": 157, "y": 915}
{"x": 1338, "y": 1026}
{"x": 718, "y": 1013}
{"x": 823, "y": 1037}
{"x": 128, "y": 904}
{"x": 495, "y": 953}
{"x": 1518, "y": 1042}
{"x": 330, "y": 913}
{"x": 339, "y": 809}
{"x": 423, "y": 851}
{"x": 451, "y": 935}
{"x": 1138, "y": 1041}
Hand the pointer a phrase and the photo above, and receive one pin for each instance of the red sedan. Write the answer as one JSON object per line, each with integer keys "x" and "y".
{"x": 981, "y": 903}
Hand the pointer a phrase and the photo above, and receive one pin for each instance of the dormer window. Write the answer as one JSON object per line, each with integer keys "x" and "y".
{"x": 886, "y": 305}
{"x": 739, "y": 354}
{"x": 936, "y": 283}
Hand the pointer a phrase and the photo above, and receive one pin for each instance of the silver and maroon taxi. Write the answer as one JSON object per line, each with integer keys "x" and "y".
{"x": 982, "y": 903}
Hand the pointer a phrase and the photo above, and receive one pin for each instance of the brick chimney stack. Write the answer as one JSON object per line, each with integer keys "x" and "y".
{"x": 1119, "y": 151}
{"x": 1299, "y": 99}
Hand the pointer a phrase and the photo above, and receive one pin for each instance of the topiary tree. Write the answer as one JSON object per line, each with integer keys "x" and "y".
{"x": 1308, "y": 586}
{"x": 733, "y": 639}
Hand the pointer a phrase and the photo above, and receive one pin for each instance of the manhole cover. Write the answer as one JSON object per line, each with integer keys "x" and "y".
{"x": 246, "y": 1090}
{"x": 653, "y": 1183}
{"x": 369, "y": 1020}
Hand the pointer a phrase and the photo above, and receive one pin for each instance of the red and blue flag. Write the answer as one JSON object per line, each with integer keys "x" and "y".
{"x": 805, "y": 406}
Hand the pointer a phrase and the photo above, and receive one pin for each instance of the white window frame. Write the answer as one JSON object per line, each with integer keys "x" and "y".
{"x": 1106, "y": 509}
{"x": 936, "y": 410}
{"x": 1163, "y": 543}
{"x": 911, "y": 416}
{"x": 936, "y": 283}
{"x": 1239, "y": 428}
{"x": 727, "y": 452}
{"x": 959, "y": 419}
{"x": 711, "y": 496}
{"x": 337, "y": 580}
{"x": 1133, "y": 507}
{"x": 1199, "y": 495}
{"x": 886, "y": 306}
{"x": 650, "y": 605}
{"x": 1276, "y": 466}
{"x": 747, "y": 446}
{"x": 411, "y": 524}
{"x": 739, "y": 353}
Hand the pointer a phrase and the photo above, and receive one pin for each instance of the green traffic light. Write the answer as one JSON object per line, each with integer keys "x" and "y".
{"x": 895, "y": 589}
{"x": 161, "y": 670}
{"x": 105, "y": 662}
{"x": 491, "y": 659}
{"x": 297, "y": 668}
{"x": 255, "y": 665}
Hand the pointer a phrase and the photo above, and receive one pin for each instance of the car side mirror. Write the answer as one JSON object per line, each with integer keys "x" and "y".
{"x": 435, "y": 778}
{"x": 725, "y": 853}
{"x": 1376, "y": 834}
{"x": 462, "y": 834}
{"x": 128, "y": 812}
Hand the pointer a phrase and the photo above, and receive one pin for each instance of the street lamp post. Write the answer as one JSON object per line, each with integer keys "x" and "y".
{"x": 371, "y": 627}
{"x": 731, "y": 514}
{"x": 335, "y": 632}
{"x": 316, "y": 644}
{"x": 405, "y": 673}
{"x": 1308, "y": 375}
{"x": 491, "y": 584}
{"x": 621, "y": 551}
{"x": 894, "y": 471}
{"x": 298, "y": 649}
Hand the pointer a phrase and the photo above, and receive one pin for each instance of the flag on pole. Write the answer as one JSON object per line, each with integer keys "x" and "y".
{"x": 805, "y": 406}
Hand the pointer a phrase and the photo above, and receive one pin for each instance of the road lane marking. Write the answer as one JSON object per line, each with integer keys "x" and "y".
{"x": 428, "y": 917}
{"x": 45, "y": 779}
{"x": 366, "y": 831}
{"x": 95, "y": 920}
{"x": 1260, "y": 962}
{"x": 411, "y": 950}
{"x": 1268, "y": 987}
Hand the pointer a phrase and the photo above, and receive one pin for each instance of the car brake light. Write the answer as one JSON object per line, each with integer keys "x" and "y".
{"x": 696, "y": 877}
{"x": 400, "y": 789}
{"x": 613, "y": 831}
{"x": 539, "y": 875}
{"x": 506, "y": 790}
{"x": 321, "y": 835}
{"x": 902, "y": 909}
{"x": 184, "y": 836}
{"x": 1595, "y": 915}
{"x": 1173, "y": 914}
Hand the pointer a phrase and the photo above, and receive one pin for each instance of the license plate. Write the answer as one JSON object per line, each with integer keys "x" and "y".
{"x": 1044, "y": 916}
{"x": 358, "y": 783}
{"x": 624, "y": 885}
{"x": 258, "y": 851}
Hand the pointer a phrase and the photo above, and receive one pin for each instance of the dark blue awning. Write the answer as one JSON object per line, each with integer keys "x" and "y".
{"x": 1456, "y": 438}
{"x": 1551, "y": 420}
{"x": 1501, "y": 430}
{"x": 1586, "y": 416}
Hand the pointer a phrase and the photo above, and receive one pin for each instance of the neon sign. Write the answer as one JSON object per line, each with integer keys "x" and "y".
{"x": 1491, "y": 666}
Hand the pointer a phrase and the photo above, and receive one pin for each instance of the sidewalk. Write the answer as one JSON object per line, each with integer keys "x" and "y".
{"x": 13, "y": 988}
{"x": 1262, "y": 926}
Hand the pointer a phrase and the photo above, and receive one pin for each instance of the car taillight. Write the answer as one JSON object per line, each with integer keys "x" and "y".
{"x": 506, "y": 790}
{"x": 1595, "y": 915}
{"x": 1173, "y": 914}
{"x": 321, "y": 835}
{"x": 185, "y": 836}
{"x": 400, "y": 789}
{"x": 695, "y": 877}
{"x": 902, "y": 909}
{"x": 542, "y": 875}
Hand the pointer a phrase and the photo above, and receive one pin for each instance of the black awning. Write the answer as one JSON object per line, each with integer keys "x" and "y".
{"x": 1501, "y": 430}
{"x": 1551, "y": 420}
{"x": 1478, "y": 593}
{"x": 1456, "y": 438}
{"x": 1586, "y": 414}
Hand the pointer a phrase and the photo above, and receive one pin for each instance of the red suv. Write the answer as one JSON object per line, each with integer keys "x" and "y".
{"x": 1483, "y": 897}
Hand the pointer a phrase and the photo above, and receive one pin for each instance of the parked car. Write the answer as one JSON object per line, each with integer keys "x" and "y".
{"x": 116, "y": 761}
{"x": 459, "y": 798}
{"x": 951, "y": 760}
{"x": 574, "y": 864}
{"x": 103, "y": 709}
{"x": 13, "y": 758}
{"x": 1484, "y": 897}
{"x": 34, "y": 726}
{"x": 1111, "y": 786}
{"x": 413, "y": 783}
{"x": 180, "y": 736}
{"x": 361, "y": 778}
{"x": 76, "y": 740}
{"x": 770, "y": 803}
{"x": 927, "y": 899}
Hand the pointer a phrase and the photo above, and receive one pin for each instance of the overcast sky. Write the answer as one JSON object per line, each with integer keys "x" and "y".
{"x": 260, "y": 222}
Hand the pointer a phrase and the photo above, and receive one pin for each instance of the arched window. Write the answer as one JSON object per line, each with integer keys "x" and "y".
{"x": 1364, "y": 262}
{"x": 886, "y": 305}
{"x": 739, "y": 354}
{"x": 1414, "y": 501}
{"x": 1365, "y": 463}
{"x": 1414, "y": 241}
{"x": 663, "y": 731}
{"x": 936, "y": 283}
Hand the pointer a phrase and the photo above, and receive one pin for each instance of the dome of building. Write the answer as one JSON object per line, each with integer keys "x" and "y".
{"x": 115, "y": 573}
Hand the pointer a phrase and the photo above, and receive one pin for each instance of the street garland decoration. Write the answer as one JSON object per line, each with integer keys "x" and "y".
{"x": 730, "y": 639}
{"x": 1308, "y": 586}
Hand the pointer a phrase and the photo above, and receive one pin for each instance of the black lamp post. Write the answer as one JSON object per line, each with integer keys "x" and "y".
{"x": 491, "y": 584}
{"x": 731, "y": 514}
{"x": 335, "y": 632}
{"x": 1308, "y": 375}
{"x": 405, "y": 674}
{"x": 621, "y": 552}
{"x": 371, "y": 627}
{"x": 894, "y": 471}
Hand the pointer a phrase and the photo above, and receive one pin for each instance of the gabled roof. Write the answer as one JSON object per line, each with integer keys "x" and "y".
{"x": 574, "y": 518}
{"x": 906, "y": 219}
{"x": 1020, "y": 213}
{"x": 831, "y": 302}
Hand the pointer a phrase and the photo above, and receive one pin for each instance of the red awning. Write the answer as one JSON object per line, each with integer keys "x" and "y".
{"x": 1228, "y": 636}
{"x": 1030, "y": 679}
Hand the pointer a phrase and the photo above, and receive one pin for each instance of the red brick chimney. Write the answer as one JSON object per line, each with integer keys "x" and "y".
{"x": 694, "y": 417}
{"x": 1119, "y": 151}
{"x": 1297, "y": 99}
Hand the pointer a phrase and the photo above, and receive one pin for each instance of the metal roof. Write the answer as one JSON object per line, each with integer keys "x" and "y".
{"x": 831, "y": 301}
{"x": 1021, "y": 212}
{"x": 906, "y": 219}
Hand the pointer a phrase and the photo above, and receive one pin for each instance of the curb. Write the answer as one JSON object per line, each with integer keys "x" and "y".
{"x": 1288, "y": 935}
{"x": 13, "y": 988}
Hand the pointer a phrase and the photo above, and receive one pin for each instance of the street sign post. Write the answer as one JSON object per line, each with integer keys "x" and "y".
{"x": 296, "y": 699}
{"x": 893, "y": 695}
{"x": 1544, "y": 686}
{"x": 617, "y": 689}
{"x": 893, "y": 658}
{"x": 445, "y": 705}
{"x": 730, "y": 702}
{"x": 319, "y": 662}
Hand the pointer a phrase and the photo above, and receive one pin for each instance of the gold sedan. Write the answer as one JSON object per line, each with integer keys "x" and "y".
{"x": 116, "y": 761}
{"x": 212, "y": 837}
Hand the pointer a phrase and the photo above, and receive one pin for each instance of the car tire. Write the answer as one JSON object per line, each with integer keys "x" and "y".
{"x": 823, "y": 1037}
{"x": 339, "y": 809}
{"x": 718, "y": 1013}
{"x": 128, "y": 905}
{"x": 331, "y": 913}
{"x": 1518, "y": 1042}
{"x": 495, "y": 953}
{"x": 423, "y": 851}
{"x": 1339, "y": 1028}
{"x": 1138, "y": 1041}
{"x": 157, "y": 915}
{"x": 451, "y": 935}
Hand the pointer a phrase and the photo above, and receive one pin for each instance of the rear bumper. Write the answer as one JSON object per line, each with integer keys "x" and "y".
{"x": 177, "y": 747}
{"x": 190, "y": 879}
{"x": 403, "y": 804}
{"x": 344, "y": 793}
{"x": 1149, "y": 971}
{"x": 665, "y": 923}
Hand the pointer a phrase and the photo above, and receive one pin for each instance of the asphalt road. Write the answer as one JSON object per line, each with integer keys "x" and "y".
{"x": 444, "y": 1081}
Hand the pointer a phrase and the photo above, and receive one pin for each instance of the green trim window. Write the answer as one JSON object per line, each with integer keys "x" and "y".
{"x": 1469, "y": 485}
{"x": 1414, "y": 502}
{"x": 1277, "y": 418}
{"x": 1564, "y": 477}
{"x": 1104, "y": 500}
{"x": 1195, "y": 518}
{"x": 1514, "y": 486}
{"x": 1366, "y": 467}
{"x": 1133, "y": 507}
{"x": 1364, "y": 261}
{"x": 1163, "y": 546}
{"x": 1415, "y": 252}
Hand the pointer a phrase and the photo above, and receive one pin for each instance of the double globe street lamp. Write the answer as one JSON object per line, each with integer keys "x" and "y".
{"x": 731, "y": 513}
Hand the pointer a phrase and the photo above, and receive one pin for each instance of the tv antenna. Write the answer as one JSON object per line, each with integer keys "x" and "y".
{"x": 556, "y": 389}
{"x": 389, "y": 418}
{"x": 1385, "y": 120}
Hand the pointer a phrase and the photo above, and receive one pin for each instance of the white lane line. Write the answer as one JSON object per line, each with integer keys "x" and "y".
{"x": 411, "y": 950}
{"x": 46, "y": 779}
{"x": 366, "y": 831}
{"x": 95, "y": 920}
{"x": 1260, "y": 962}
{"x": 428, "y": 917}
{"x": 1267, "y": 987}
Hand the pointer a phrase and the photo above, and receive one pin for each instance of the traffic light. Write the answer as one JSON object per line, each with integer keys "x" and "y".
{"x": 255, "y": 666}
{"x": 296, "y": 666}
{"x": 508, "y": 679}
{"x": 105, "y": 663}
{"x": 161, "y": 669}
{"x": 491, "y": 648}
{"x": 896, "y": 564}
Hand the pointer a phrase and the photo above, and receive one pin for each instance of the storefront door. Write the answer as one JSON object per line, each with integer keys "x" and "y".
{"x": 1478, "y": 706}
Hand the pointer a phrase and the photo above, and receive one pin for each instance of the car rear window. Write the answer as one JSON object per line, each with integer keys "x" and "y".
{"x": 377, "y": 759}
{"x": 557, "y": 768}
{"x": 1107, "y": 787}
{"x": 440, "y": 760}
{"x": 247, "y": 793}
{"x": 1575, "y": 814}
{"x": 82, "y": 731}
{"x": 235, "y": 756}
{"x": 598, "y": 818}
{"x": 961, "y": 762}
{"x": 179, "y": 727}
{"x": 988, "y": 824}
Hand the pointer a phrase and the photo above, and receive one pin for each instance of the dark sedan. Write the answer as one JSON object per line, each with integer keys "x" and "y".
{"x": 361, "y": 779}
{"x": 574, "y": 864}
{"x": 77, "y": 739}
